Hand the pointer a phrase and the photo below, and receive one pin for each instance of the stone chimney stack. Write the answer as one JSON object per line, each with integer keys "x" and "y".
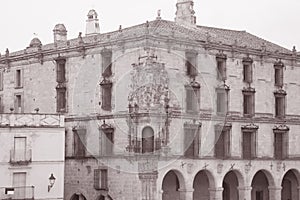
{"x": 185, "y": 12}
{"x": 92, "y": 23}
{"x": 60, "y": 33}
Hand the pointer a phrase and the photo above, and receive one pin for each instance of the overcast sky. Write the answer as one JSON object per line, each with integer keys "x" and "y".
{"x": 277, "y": 21}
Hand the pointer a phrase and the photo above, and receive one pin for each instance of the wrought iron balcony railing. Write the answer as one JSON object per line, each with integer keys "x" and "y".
{"x": 17, "y": 193}
{"x": 20, "y": 157}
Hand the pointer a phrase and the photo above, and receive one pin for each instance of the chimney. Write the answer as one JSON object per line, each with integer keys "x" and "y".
{"x": 60, "y": 33}
{"x": 185, "y": 12}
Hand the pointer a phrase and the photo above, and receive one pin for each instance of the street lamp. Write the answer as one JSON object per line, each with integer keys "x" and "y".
{"x": 51, "y": 182}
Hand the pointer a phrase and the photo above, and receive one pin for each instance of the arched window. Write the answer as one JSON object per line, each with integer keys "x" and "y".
{"x": 147, "y": 140}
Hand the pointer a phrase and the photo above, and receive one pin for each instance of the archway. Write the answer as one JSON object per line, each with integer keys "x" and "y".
{"x": 171, "y": 185}
{"x": 290, "y": 184}
{"x": 231, "y": 182}
{"x": 147, "y": 140}
{"x": 261, "y": 182}
{"x": 78, "y": 197}
{"x": 202, "y": 182}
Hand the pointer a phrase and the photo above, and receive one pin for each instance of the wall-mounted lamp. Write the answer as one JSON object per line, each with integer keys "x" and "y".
{"x": 51, "y": 182}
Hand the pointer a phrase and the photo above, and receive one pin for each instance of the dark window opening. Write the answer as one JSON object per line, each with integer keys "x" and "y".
{"x": 18, "y": 103}
{"x": 191, "y": 65}
{"x": 61, "y": 71}
{"x": 106, "y": 95}
{"x": 249, "y": 104}
{"x": 191, "y": 141}
{"x": 61, "y": 100}
{"x": 249, "y": 145}
{"x": 18, "y": 78}
{"x": 222, "y": 102}
{"x": 101, "y": 179}
{"x": 247, "y": 69}
{"x": 107, "y": 64}
{"x": 192, "y": 98}
{"x": 79, "y": 143}
{"x": 279, "y": 106}
{"x": 222, "y": 144}
{"x": 221, "y": 66}
{"x": 278, "y": 74}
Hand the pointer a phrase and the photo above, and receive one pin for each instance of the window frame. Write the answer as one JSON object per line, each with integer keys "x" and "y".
{"x": 221, "y": 63}
{"x": 16, "y": 102}
{"x": 61, "y": 70}
{"x": 18, "y": 78}
{"x": 280, "y": 95}
{"x": 224, "y": 131}
{"x": 283, "y": 130}
{"x": 191, "y": 64}
{"x": 99, "y": 173}
{"x": 192, "y": 96}
{"x": 193, "y": 146}
{"x": 224, "y": 90}
{"x": 79, "y": 142}
{"x": 250, "y": 129}
{"x": 278, "y": 68}
{"x": 247, "y": 70}
{"x": 250, "y": 107}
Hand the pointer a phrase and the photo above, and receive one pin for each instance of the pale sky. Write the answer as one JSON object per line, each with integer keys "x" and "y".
{"x": 277, "y": 21}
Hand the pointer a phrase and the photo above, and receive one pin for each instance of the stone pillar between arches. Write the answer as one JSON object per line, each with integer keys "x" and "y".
{"x": 216, "y": 193}
{"x": 275, "y": 193}
{"x": 245, "y": 193}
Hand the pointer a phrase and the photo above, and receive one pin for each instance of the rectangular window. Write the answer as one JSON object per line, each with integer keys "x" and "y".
{"x": 279, "y": 106}
{"x": 222, "y": 144}
{"x": 18, "y": 78}
{"x": 249, "y": 145}
{"x": 107, "y": 142}
{"x": 248, "y": 104}
{"x": 61, "y": 99}
{"x": 191, "y": 64}
{"x": 61, "y": 70}
{"x": 106, "y": 87}
{"x": 101, "y": 179}
{"x": 19, "y": 183}
{"x": 222, "y": 101}
{"x": 18, "y": 103}
{"x": 107, "y": 64}
{"x": 279, "y": 76}
{"x": 1, "y": 105}
{"x": 247, "y": 71}
{"x": 79, "y": 142}
{"x": 1, "y": 81}
{"x": 192, "y": 98}
{"x": 19, "y": 152}
{"x": 221, "y": 69}
{"x": 280, "y": 145}
{"x": 191, "y": 141}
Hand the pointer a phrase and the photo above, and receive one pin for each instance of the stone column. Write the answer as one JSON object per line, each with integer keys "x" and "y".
{"x": 216, "y": 193}
{"x": 245, "y": 193}
{"x": 186, "y": 194}
{"x": 275, "y": 193}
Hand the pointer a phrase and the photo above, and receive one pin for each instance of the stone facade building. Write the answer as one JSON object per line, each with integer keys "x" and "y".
{"x": 165, "y": 110}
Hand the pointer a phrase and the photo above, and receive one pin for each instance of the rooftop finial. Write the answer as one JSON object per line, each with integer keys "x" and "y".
{"x": 158, "y": 15}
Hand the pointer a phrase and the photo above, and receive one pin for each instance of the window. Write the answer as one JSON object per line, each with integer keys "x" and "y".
{"x": 18, "y": 103}
{"x": 1, "y": 81}
{"x": 222, "y": 141}
{"x": 79, "y": 142}
{"x": 19, "y": 184}
{"x": 191, "y": 64}
{"x": 61, "y": 99}
{"x": 247, "y": 70}
{"x": 107, "y": 139}
{"x": 249, "y": 102}
{"x": 280, "y": 142}
{"x": 60, "y": 70}
{"x": 192, "y": 97}
{"x": 1, "y": 105}
{"x": 221, "y": 66}
{"x": 19, "y": 151}
{"x": 106, "y": 63}
{"x": 249, "y": 141}
{"x": 222, "y": 100}
{"x": 191, "y": 140}
{"x": 280, "y": 103}
{"x": 106, "y": 87}
{"x": 18, "y": 78}
{"x": 278, "y": 72}
{"x": 147, "y": 140}
{"x": 100, "y": 179}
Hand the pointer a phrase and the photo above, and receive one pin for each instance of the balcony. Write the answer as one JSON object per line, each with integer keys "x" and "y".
{"x": 20, "y": 157}
{"x": 17, "y": 193}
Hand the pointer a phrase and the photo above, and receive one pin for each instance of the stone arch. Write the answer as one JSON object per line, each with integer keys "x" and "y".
{"x": 290, "y": 184}
{"x": 203, "y": 181}
{"x": 78, "y": 196}
{"x": 147, "y": 140}
{"x": 232, "y": 181}
{"x": 261, "y": 182}
{"x": 172, "y": 184}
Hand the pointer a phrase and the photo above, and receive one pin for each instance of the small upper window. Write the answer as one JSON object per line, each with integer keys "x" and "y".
{"x": 106, "y": 63}
{"x": 221, "y": 66}
{"x": 280, "y": 103}
{"x": 249, "y": 102}
{"x": 247, "y": 70}
{"x": 191, "y": 64}
{"x": 61, "y": 70}
{"x": 278, "y": 73}
{"x": 18, "y": 78}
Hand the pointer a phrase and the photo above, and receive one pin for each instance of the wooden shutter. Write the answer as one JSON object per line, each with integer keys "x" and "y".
{"x": 189, "y": 99}
{"x": 80, "y": 142}
{"x": 19, "y": 183}
{"x": 190, "y": 142}
{"x": 278, "y": 143}
{"x": 20, "y": 148}
{"x": 104, "y": 184}
{"x": 106, "y": 95}
{"x": 219, "y": 144}
{"x": 107, "y": 65}
{"x": 97, "y": 179}
{"x": 191, "y": 65}
{"x": 109, "y": 140}
{"x": 247, "y": 145}
{"x": 246, "y": 104}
